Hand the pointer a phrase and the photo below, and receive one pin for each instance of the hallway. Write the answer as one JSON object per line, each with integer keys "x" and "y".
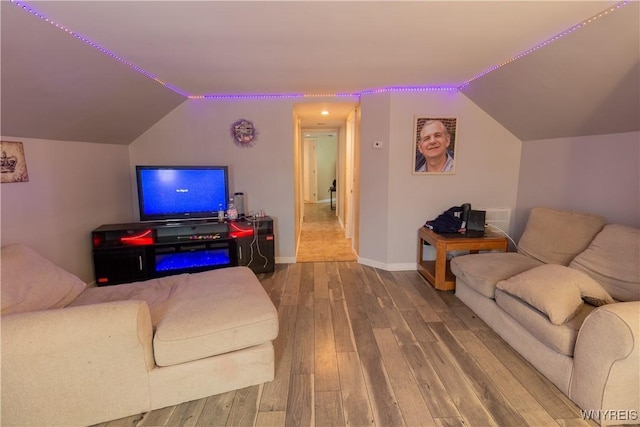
{"x": 322, "y": 236}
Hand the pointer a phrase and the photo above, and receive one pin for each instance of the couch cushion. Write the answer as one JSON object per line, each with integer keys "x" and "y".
{"x": 212, "y": 313}
{"x": 613, "y": 259}
{"x": 550, "y": 288}
{"x": 156, "y": 293}
{"x": 199, "y": 315}
{"x": 556, "y": 237}
{"x": 561, "y": 338}
{"x": 482, "y": 271}
{"x": 31, "y": 282}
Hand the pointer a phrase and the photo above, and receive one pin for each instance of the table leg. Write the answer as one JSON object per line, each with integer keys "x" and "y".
{"x": 441, "y": 265}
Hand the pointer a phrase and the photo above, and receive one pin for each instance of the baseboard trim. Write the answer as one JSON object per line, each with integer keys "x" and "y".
{"x": 409, "y": 266}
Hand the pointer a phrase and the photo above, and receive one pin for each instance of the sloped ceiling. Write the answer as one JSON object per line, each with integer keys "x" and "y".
{"x": 57, "y": 86}
{"x": 587, "y": 83}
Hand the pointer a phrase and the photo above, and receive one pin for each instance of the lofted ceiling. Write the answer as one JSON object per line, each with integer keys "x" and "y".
{"x": 129, "y": 63}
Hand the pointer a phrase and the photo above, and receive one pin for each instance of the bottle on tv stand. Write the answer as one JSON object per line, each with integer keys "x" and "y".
{"x": 232, "y": 212}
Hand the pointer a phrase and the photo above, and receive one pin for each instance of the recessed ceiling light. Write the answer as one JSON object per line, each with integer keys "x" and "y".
{"x": 324, "y": 113}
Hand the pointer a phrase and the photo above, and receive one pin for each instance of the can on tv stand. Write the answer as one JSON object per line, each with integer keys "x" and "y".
{"x": 238, "y": 199}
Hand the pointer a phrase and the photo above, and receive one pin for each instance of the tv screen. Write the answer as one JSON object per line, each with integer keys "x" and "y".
{"x": 181, "y": 192}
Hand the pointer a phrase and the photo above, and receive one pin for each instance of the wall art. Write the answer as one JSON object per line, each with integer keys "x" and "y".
{"x": 244, "y": 133}
{"x": 434, "y": 144}
{"x": 13, "y": 165}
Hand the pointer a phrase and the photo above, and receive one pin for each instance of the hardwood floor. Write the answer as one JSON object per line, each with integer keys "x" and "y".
{"x": 322, "y": 236}
{"x": 360, "y": 346}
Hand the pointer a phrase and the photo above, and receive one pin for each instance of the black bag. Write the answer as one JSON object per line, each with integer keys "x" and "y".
{"x": 450, "y": 221}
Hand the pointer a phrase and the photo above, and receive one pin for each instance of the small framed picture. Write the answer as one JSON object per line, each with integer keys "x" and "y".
{"x": 13, "y": 164}
{"x": 434, "y": 145}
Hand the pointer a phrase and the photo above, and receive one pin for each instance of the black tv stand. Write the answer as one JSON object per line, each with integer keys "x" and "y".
{"x": 138, "y": 251}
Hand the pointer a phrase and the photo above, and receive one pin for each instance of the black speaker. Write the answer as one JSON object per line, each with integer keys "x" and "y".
{"x": 466, "y": 207}
{"x": 476, "y": 220}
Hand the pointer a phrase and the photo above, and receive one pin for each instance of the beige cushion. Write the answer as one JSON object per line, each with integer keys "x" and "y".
{"x": 591, "y": 291}
{"x": 561, "y": 338}
{"x": 556, "y": 237}
{"x": 31, "y": 282}
{"x": 613, "y": 259}
{"x": 482, "y": 271}
{"x": 156, "y": 293}
{"x": 552, "y": 289}
{"x": 212, "y": 313}
{"x": 199, "y": 315}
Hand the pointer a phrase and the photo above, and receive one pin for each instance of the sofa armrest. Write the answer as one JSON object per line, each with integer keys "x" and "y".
{"x": 76, "y": 365}
{"x": 606, "y": 373}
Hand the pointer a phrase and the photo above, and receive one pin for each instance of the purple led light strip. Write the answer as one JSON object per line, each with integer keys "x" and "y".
{"x": 546, "y": 42}
{"x": 439, "y": 88}
{"x": 80, "y": 37}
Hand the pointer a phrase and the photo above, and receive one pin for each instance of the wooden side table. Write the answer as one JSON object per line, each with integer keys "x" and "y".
{"x": 438, "y": 272}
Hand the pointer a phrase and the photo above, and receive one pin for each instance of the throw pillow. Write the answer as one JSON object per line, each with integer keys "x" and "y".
{"x": 555, "y": 236}
{"x": 612, "y": 260}
{"x": 547, "y": 289}
{"x": 31, "y": 282}
{"x": 591, "y": 291}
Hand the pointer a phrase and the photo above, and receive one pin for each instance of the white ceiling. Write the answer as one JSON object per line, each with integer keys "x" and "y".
{"x": 214, "y": 47}
{"x": 253, "y": 47}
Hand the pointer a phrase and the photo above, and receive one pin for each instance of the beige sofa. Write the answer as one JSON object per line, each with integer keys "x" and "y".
{"x": 569, "y": 302}
{"x": 78, "y": 355}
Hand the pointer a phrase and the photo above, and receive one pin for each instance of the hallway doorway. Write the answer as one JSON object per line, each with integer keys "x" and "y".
{"x": 331, "y": 132}
{"x": 322, "y": 236}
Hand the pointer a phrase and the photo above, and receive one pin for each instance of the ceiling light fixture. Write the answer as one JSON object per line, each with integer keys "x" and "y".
{"x": 324, "y": 112}
{"x": 445, "y": 88}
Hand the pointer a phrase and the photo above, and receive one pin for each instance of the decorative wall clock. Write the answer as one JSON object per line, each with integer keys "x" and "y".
{"x": 244, "y": 133}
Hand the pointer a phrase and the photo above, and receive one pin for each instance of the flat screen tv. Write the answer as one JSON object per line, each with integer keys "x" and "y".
{"x": 168, "y": 193}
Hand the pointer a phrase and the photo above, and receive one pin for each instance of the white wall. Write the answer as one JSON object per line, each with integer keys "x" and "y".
{"x": 374, "y": 181}
{"x": 597, "y": 174}
{"x": 73, "y": 188}
{"x": 395, "y": 203}
{"x": 198, "y": 133}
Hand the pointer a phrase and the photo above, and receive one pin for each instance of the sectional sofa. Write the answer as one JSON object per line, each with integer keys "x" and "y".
{"x": 78, "y": 355}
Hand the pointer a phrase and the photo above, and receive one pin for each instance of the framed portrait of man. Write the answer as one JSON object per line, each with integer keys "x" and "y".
{"x": 434, "y": 145}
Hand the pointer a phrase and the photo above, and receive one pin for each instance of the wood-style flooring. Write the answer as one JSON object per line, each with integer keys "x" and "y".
{"x": 360, "y": 346}
{"x": 322, "y": 237}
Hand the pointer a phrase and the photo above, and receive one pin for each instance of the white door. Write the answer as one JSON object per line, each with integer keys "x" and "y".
{"x": 309, "y": 171}
{"x": 350, "y": 144}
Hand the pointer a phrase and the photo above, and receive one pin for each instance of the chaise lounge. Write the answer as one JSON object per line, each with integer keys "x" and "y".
{"x": 78, "y": 355}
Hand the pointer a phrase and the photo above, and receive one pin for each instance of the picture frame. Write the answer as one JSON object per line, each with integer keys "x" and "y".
{"x": 434, "y": 145}
{"x": 13, "y": 165}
